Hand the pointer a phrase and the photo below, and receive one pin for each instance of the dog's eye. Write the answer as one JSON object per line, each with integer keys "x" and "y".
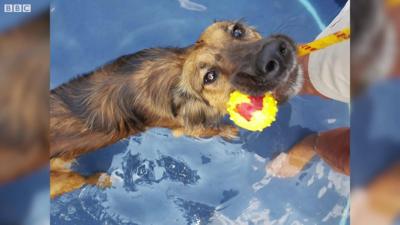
{"x": 237, "y": 31}
{"x": 283, "y": 49}
{"x": 210, "y": 77}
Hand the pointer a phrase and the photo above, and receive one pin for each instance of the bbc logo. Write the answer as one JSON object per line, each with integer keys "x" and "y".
{"x": 17, "y": 8}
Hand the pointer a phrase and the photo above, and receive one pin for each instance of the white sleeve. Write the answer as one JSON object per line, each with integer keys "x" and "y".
{"x": 329, "y": 68}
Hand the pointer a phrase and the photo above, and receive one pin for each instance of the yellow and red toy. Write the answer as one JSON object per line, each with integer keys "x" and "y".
{"x": 252, "y": 112}
{"x": 258, "y": 112}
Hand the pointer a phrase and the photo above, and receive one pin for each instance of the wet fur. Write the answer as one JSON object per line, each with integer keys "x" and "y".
{"x": 126, "y": 96}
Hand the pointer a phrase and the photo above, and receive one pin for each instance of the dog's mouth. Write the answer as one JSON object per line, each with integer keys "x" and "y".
{"x": 281, "y": 89}
{"x": 274, "y": 69}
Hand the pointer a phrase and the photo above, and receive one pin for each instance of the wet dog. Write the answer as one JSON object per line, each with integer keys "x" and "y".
{"x": 184, "y": 89}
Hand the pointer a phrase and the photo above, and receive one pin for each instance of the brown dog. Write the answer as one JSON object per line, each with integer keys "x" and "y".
{"x": 184, "y": 89}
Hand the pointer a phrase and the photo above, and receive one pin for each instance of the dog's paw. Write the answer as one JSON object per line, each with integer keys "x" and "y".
{"x": 178, "y": 132}
{"x": 226, "y": 132}
{"x": 101, "y": 180}
{"x": 104, "y": 181}
{"x": 229, "y": 132}
{"x": 61, "y": 165}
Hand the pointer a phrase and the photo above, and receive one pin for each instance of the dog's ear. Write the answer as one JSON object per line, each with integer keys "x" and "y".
{"x": 188, "y": 107}
{"x": 187, "y": 102}
{"x": 193, "y": 110}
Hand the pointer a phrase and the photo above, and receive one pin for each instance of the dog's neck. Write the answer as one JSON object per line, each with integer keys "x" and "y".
{"x": 119, "y": 99}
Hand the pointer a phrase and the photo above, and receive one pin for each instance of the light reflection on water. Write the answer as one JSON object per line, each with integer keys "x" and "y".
{"x": 159, "y": 179}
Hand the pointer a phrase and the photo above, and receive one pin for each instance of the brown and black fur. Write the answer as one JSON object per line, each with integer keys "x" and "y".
{"x": 162, "y": 87}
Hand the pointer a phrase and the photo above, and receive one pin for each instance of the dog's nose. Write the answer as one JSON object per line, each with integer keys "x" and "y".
{"x": 271, "y": 59}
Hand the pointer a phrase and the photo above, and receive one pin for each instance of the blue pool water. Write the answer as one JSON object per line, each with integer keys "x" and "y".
{"x": 159, "y": 179}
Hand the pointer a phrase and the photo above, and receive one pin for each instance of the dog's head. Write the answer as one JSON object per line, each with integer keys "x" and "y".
{"x": 233, "y": 56}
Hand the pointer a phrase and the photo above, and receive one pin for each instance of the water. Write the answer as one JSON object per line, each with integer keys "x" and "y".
{"x": 159, "y": 179}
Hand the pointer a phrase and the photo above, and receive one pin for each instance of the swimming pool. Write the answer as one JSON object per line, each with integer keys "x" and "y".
{"x": 159, "y": 179}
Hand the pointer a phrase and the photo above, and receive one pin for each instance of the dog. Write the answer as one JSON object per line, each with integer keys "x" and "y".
{"x": 184, "y": 89}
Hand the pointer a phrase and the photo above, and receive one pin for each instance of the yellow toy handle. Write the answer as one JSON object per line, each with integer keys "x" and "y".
{"x": 324, "y": 42}
{"x": 334, "y": 38}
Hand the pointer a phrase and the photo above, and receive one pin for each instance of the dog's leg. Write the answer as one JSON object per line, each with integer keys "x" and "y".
{"x": 225, "y": 131}
{"x": 61, "y": 164}
{"x": 63, "y": 180}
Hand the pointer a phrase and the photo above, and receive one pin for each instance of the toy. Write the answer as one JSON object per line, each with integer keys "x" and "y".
{"x": 323, "y": 42}
{"x": 255, "y": 113}
{"x": 252, "y": 112}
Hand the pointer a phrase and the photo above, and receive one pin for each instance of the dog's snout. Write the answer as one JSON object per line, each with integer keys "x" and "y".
{"x": 271, "y": 66}
{"x": 271, "y": 59}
